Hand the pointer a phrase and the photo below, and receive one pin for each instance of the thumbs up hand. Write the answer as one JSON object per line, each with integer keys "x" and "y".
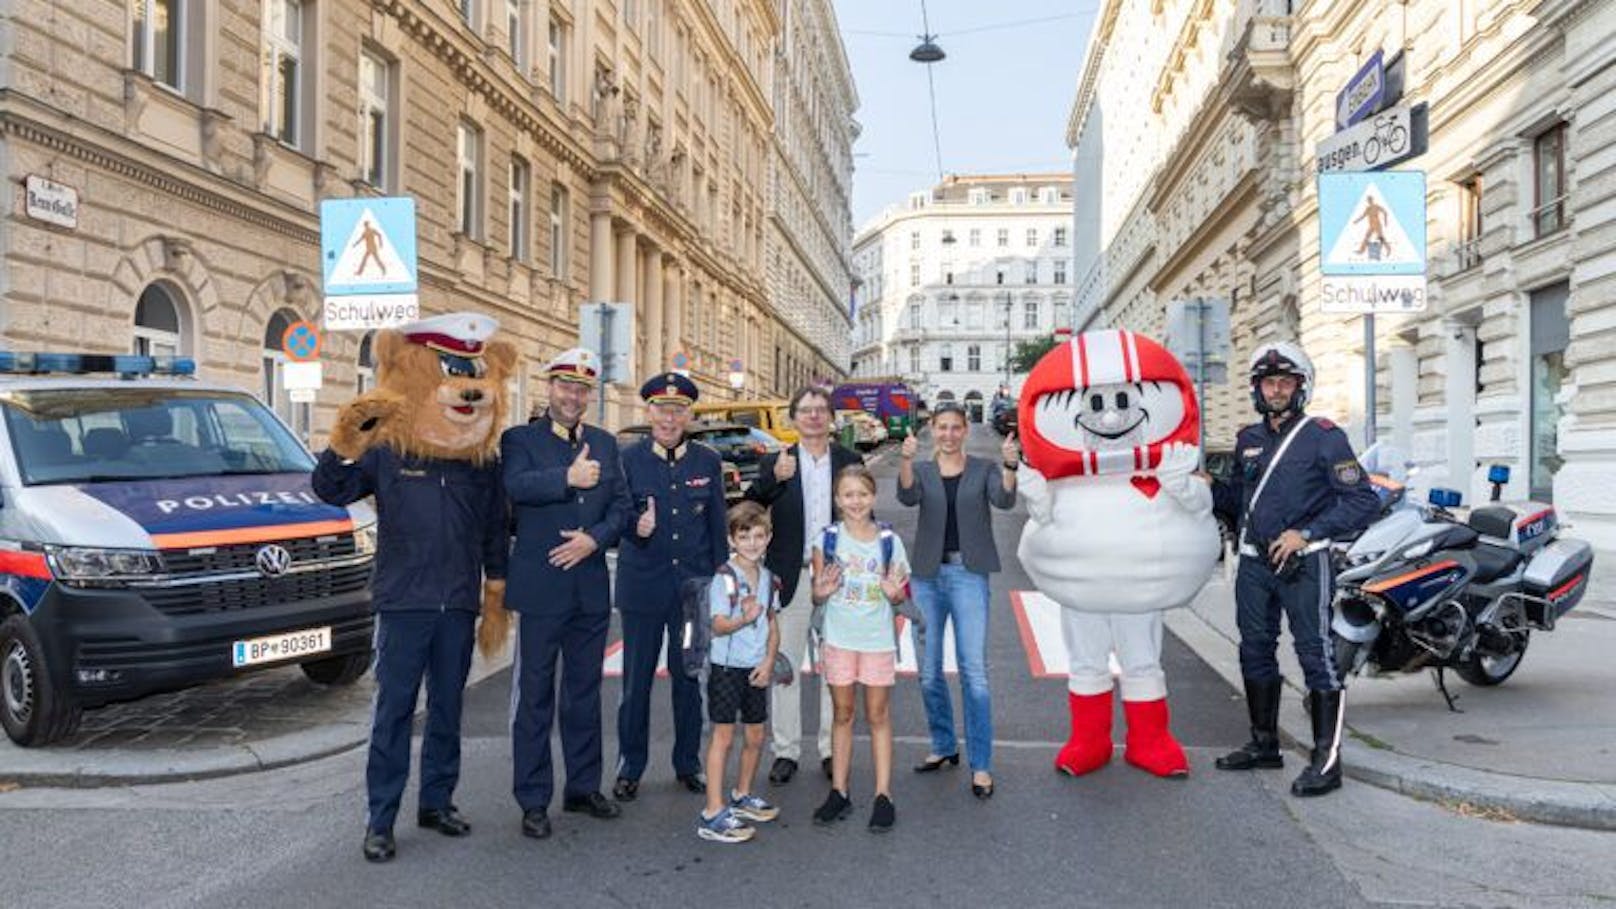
{"x": 785, "y": 467}
{"x": 585, "y": 471}
{"x": 647, "y": 525}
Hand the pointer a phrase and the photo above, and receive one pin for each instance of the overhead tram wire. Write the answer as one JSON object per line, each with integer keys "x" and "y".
{"x": 920, "y": 54}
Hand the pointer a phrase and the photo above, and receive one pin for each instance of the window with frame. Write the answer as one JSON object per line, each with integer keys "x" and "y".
{"x": 365, "y": 368}
{"x": 1032, "y": 236}
{"x": 914, "y": 239}
{"x": 282, "y": 78}
{"x": 468, "y": 11}
{"x": 376, "y": 120}
{"x": 157, "y": 323}
{"x": 1548, "y": 156}
{"x": 1030, "y": 271}
{"x": 975, "y": 237}
{"x": 1004, "y": 237}
{"x": 945, "y": 358}
{"x": 557, "y": 60}
{"x": 914, "y": 358}
{"x": 973, "y": 358}
{"x": 519, "y": 207}
{"x": 516, "y": 33}
{"x": 1060, "y": 271}
{"x": 914, "y": 274}
{"x": 1029, "y": 314}
{"x": 914, "y": 315}
{"x": 558, "y": 230}
{"x": 1018, "y": 197}
{"x": 468, "y": 188}
{"x": 1060, "y": 236}
{"x": 157, "y": 40}
{"x": 1468, "y": 251}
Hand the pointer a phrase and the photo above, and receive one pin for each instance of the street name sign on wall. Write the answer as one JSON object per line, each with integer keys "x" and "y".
{"x": 51, "y": 202}
{"x": 367, "y": 249}
{"x": 1389, "y": 137}
{"x": 1372, "y": 242}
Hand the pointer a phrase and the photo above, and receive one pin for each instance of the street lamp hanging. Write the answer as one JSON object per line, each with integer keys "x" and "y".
{"x": 927, "y": 50}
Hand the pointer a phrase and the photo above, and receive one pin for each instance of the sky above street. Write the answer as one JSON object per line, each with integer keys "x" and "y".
{"x": 1003, "y": 93}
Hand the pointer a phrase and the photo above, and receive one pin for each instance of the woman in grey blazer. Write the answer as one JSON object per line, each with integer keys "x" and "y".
{"x": 952, "y": 556}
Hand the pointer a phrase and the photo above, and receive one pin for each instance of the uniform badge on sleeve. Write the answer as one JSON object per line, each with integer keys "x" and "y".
{"x": 1348, "y": 473}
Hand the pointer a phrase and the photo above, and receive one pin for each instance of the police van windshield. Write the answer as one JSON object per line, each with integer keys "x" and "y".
{"x": 89, "y": 435}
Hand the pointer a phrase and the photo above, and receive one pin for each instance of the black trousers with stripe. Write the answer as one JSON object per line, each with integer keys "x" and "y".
{"x": 1260, "y": 598}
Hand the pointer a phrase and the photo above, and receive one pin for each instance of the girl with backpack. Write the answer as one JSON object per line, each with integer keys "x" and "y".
{"x": 860, "y": 575}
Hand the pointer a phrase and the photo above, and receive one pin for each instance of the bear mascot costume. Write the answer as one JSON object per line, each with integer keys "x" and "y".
{"x": 1119, "y": 529}
{"x": 424, "y": 443}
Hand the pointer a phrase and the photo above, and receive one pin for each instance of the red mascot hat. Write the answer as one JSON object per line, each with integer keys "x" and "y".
{"x": 1107, "y": 357}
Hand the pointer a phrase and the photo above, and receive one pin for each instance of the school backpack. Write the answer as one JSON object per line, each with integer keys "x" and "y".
{"x": 696, "y": 637}
{"x": 907, "y": 608}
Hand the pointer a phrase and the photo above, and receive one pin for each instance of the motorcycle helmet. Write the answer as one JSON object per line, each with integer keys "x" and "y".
{"x": 1281, "y": 358}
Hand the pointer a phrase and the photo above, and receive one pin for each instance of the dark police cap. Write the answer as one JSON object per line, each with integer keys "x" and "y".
{"x": 669, "y": 388}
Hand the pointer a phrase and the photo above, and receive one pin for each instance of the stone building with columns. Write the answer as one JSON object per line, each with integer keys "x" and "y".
{"x": 558, "y": 152}
{"x": 810, "y": 226}
{"x": 1514, "y": 359}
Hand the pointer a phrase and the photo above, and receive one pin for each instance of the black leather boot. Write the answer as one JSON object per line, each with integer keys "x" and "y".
{"x": 1323, "y": 772}
{"x": 1262, "y": 704}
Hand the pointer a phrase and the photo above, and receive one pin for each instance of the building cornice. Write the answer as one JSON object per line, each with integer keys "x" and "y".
{"x": 171, "y": 177}
{"x": 1099, "y": 40}
{"x": 1226, "y": 210}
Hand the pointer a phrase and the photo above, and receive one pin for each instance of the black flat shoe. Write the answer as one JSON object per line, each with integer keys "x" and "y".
{"x": 536, "y": 823}
{"x": 379, "y": 846}
{"x": 981, "y": 791}
{"x": 782, "y": 771}
{"x": 625, "y": 789}
{"x": 594, "y": 804}
{"x": 694, "y": 782}
{"x": 446, "y": 821}
{"x": 934, "y": 764}
{"x": 882, "y": 815}
{"x": 835, "y": 808}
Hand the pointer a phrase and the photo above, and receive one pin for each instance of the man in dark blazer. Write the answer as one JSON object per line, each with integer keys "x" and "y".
{"x": 795, "y": 485}
{"x": 679, "y": 533}
{"x": 570, "y": 504}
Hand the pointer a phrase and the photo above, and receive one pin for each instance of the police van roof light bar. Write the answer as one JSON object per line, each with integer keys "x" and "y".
{"x": 125, "y": 365}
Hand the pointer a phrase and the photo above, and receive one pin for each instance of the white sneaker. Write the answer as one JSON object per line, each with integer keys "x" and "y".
{"x": 723, "y": 827}
{"x": 752, "y": 808}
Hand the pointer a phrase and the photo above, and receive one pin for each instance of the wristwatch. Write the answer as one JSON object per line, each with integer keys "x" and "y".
{"x": 1012, "y": 466}
{"x": 1307, "y": 535}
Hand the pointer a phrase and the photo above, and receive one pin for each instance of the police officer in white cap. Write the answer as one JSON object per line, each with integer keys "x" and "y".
{"x": 570, "y": 505}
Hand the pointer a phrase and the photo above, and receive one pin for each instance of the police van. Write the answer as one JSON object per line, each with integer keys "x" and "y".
{"x": 157, "y": 532}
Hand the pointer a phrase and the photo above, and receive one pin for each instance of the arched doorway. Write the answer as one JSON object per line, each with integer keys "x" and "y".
{"x": 365, "y": 373}
{"x": 973, "y": 405}
{"x": 157, "y": 323}
{"x": 299, "y": 416}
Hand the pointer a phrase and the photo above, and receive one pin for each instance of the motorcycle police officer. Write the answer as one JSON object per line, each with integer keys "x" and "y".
{"x": 678, "y": 534}
{"x": 571, "y": 504}
{"x": 1296, "y": 484}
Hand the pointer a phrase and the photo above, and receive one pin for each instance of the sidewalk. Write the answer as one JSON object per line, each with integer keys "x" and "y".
{"x": 256, "y": 722}
{"x": 1540, "y": 747}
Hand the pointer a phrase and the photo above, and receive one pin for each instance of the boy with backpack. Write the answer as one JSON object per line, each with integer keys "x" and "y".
{"x": 742, "y": 601}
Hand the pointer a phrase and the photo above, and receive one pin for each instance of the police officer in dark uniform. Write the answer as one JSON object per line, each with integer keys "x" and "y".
{"x": 1315, "y": 490}
{"x": 571, "y": 504}
{"x": 442, "y": 538}
{"x": 678, "y": 534}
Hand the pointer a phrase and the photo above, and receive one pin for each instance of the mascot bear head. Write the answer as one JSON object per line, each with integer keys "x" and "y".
{"x": 440, "y": 392}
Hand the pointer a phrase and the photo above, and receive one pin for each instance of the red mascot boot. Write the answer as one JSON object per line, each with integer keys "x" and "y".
{"x": 1151, "y": 746}
{"x": 1089, "y": 747}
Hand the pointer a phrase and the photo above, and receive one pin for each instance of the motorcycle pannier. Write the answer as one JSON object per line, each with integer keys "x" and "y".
{"x": 1559, "y": 574}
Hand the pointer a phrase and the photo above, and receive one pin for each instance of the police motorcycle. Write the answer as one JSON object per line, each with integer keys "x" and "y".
{"x": 1424, "y": 588}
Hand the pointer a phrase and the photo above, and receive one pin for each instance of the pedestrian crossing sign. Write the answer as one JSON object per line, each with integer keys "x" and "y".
{"x": 1372, "y": 223}
{"x": 367, "y": 246}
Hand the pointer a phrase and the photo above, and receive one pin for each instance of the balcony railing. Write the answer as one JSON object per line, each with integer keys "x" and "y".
{"x": 1466, "y": 255}
{"x": 1549, "y": 217}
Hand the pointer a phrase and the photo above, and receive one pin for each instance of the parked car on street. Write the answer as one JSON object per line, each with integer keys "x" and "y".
{"x": 161, "y": 532}
{"x": 770, "y": 416}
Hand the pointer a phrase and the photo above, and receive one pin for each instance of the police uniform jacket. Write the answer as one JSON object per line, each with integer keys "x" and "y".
{"x": 536, "y": 458}
{"x": 442, "y": 525}
{"x": 1318, "y": 487}
{"x": 691, "y": 537}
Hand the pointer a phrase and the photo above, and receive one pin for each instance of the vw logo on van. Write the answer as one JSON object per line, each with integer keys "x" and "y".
{"x": 272, "y": 560}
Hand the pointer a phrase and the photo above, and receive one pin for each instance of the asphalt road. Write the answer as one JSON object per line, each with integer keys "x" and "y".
{"x": 1116, "y": 838}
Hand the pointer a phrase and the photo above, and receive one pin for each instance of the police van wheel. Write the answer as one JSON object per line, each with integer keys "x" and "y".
{"x": 32, "y": 710}
{"x": 338, "y": 670}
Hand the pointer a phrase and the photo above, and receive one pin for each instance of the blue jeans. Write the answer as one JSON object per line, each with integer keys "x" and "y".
{"x": 960, "y": 595}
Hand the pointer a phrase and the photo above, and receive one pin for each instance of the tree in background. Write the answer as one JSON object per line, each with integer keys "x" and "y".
{"x": 1028, "y": 353}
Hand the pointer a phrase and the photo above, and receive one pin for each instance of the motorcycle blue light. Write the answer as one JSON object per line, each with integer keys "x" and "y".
{"x": 1445, "y": 498}
{"x": 1498, "y": 473}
